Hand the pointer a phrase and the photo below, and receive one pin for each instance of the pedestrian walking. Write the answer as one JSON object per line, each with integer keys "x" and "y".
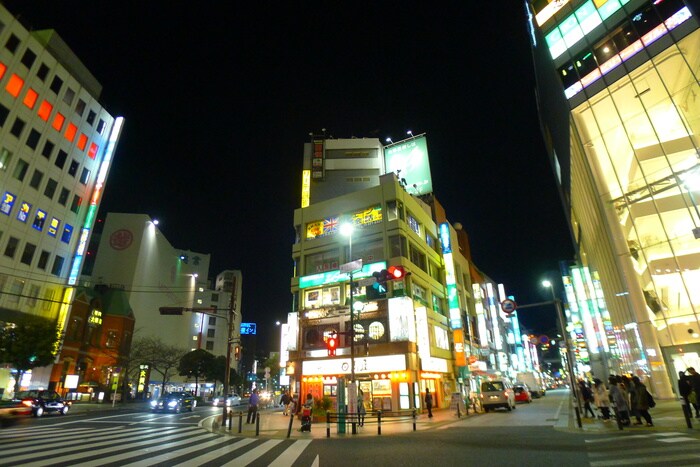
{"x": 429, "y": 402}
{"x": 361, "y": 410}
{"x": 586, "y": 398}
{"x": 253, "y": 402}
{"x": 694, "y": 396}
{"x": 618, "y": 397}
{"x": 601, "y": 399}
{"x": 640, "y": 402}
{"x": 285, "y": 400}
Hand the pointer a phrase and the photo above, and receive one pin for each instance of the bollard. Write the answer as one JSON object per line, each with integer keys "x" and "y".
{"x": 291, "y": 421}
{"x": 240, "y": 421}
{"x": 257, "y": 423}
{"x": 687, "y": 413}
{"x": 230, "y": 419}
{"x": 379, "y": 422}
{"x": 328, "y": 423}
{"x": 459, "y": 415}
{"x": 414, "y": 419}
{"x": 578, "y": 416}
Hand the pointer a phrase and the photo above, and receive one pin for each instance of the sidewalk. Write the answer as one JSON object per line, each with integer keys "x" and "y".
{"x": 667, "y": 415}
{"x": 275, "y": 425}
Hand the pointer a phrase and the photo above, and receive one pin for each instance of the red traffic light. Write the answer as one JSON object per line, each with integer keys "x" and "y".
{"x": 332, "y": 344}
{"x": 396, "y": 272}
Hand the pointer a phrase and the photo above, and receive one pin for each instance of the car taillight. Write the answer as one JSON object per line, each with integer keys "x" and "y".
{"x": 27, "y": 403}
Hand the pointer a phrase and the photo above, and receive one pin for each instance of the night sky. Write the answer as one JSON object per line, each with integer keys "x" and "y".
{"x": 219, "y": 100}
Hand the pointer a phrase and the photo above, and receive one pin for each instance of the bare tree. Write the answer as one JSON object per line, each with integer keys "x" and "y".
{"x": 163, "y": 358}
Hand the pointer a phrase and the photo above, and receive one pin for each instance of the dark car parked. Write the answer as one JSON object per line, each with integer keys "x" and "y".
{"x": 175, "y": 402}
{"x": 43, "y": 402}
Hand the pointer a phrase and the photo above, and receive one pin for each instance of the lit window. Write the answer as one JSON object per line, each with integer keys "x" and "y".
{"x": 67, "y": 233}
{"x": 82, "y": 141}
{"x": 45, "y": 110}
{"x": 3, "y": 69}
{"x": 14, "y": 85}
{"x": 70, "y": 132}
{"x": 93, "y": 150}
{"x": 58, "y": 121}
{"x": 30, "y": 98}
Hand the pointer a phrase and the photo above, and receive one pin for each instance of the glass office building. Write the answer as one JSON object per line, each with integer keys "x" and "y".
{"x": 620, "y": 111}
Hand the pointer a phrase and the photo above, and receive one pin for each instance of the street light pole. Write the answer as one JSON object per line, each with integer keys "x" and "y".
{"x": 347, "y": 229}
{"x": 569, "y": 350}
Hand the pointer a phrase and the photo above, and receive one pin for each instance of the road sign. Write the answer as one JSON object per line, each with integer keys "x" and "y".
{"x": 508, "y": 306}
{"x": 366, "y": 282}
{"x": 351, "y": 266}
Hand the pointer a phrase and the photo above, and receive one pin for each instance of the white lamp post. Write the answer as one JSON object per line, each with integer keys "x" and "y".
{"x": 347, "y": 230}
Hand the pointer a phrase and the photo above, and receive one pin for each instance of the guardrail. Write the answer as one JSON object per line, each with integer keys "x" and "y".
{"x": 379, "y": 416}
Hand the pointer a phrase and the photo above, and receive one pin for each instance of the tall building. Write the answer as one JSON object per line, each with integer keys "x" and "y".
{"x": 618, "y": 97}
{"x": 56, "y": 147}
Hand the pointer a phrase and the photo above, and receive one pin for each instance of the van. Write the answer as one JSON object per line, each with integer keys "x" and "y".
{"x": 497, "y": 393}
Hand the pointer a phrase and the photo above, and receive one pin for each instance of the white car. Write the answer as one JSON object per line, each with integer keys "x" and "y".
{"x": 231, "y": 400}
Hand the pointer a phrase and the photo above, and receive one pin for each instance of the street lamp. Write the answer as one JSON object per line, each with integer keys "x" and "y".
{"x": 347, "y": 230}
{"x": 569, "y": 350}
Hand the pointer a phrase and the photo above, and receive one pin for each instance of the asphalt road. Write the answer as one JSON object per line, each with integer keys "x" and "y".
{"x": 534, "y": 434}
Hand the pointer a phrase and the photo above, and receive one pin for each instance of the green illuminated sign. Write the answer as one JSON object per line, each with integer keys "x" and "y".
{"x": 409, "y": 159}
{"x": 332, "y": 277}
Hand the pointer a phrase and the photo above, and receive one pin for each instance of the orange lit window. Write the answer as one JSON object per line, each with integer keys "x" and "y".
{"x": 92, "y": 152}
{"x": 30, "y": 98}
{"x": 14, "y": 85}
{"x": 58, "y": 121}
{"x": 70, "y": 132}
{"x": 3, "y": 69}
{"x": 82, "y": 141}
{"x": 45, "y": 110}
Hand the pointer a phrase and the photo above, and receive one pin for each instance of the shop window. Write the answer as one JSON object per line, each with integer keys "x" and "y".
{"x": 69, "y": 96}
{"x": 84, "y": 176}
{"x": 73, "y": 168}
{"x": 441, "y": 340}
{"x": 49, "y": 296}
{"x": 70, "y": 133}
{"x": 34, "y": 291}
{"x": 4, "y": 112}
{"x": 417, "y": 257}
{"x": 645, "y": 20}
{"x": 212, "y": 321}
{"x": 67, "y": 233}
{"x": 321, "y": 262}
{"x": 91, "y": 117}
{"x": 50, "y": 188}
{"x": 63, "y": 197}
{"x": 75, "y": 205}
{"x": 16, "y": 289}
{"x": 58, "y": 121}
{"x": 414, "y": 224}
{"x": 210, "y": 332}
{"x": 210, "y": 345}
{"x": 397, "y": 246}
{"x": 82, "y": 141}
{"x": 101, "y": 126}
{"x": 61, "y": 158}
{"x": 395, "y": 210}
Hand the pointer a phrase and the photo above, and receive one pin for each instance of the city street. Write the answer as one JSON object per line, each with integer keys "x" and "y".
{"x": 534, "y": 434}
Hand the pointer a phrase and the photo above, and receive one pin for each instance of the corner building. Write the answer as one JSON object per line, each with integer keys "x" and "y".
{"x": 619, "y": 103}
{"x": 56, "y": 147}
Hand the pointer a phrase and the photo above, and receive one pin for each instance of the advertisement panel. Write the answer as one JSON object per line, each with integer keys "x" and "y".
{"x": 409, "y": 160}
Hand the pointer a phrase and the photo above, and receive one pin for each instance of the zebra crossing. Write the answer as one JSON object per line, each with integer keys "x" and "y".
{"x": 129, "y": 445}
{"x": 664, "y": 448}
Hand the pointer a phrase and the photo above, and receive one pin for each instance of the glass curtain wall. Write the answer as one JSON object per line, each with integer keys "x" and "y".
{"x": 641, "y": 136}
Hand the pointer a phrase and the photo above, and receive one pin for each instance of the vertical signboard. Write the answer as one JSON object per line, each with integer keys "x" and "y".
{"x": 409, "y": 160}
{"x": 451, "y": 282}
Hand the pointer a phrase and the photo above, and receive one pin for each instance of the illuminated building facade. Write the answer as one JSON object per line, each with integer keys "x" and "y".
{"x": 56, "y": 147}
{"x": 618, "y": 98}
{"x": 135, "y": 255}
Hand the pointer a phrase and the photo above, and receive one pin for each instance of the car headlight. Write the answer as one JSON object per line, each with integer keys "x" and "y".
{"x": 216, "y": 401}
{"x": 172, "y": 403}
{"x": 228, "y": 403}
{"x": 154, "y": 403}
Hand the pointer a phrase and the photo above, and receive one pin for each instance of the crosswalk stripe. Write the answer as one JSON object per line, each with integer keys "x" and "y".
{"x": 176, "y": 453}
{"x": 636, "y": 452}
{"x": 62, "y": 442}
{"x": 636, "y": 461}
{"x": 201, "y": 460}
{"x": 73, "y": 455}
{"x": 254, "y": 453}
{"x": 291, "y": 454}
{"x": 139, "y": 452}
{"x": 24, "y": 433}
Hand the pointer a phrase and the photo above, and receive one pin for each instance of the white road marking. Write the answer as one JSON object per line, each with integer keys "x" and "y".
{"x": 291, "y": 454}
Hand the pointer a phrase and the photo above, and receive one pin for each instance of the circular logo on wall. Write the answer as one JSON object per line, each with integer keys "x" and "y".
{"x": 121, "y": 239}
